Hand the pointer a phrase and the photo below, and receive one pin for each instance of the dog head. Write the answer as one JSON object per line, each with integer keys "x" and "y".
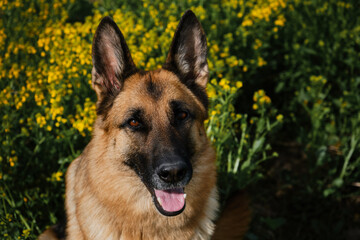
{"x": 152, "y": 122}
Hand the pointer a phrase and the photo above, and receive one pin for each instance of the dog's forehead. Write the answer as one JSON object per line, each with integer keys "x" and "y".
{"x": 155, "y": 93}
{"x": 155, "y": 86}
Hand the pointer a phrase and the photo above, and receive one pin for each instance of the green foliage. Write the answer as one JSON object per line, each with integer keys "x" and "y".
{"x": 322, "y": 69}
{"x": 241, "y": 141}
{"x": 280, "y": 71}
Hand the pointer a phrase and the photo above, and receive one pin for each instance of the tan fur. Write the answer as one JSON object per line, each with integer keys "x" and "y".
{"x": 107, "y": 200}
{"x": 48, "y": 235}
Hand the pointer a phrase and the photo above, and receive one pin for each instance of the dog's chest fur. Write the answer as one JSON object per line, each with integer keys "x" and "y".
{"x": 89, "y": 217}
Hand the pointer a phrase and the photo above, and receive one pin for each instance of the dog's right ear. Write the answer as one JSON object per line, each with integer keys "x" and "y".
{"x": 112, "y": 62}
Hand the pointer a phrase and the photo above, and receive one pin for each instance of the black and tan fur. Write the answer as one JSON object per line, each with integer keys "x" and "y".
{"x": 145, "y": 121}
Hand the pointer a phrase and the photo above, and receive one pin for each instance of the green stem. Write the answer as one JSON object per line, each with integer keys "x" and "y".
{"x": 23, "y": 219}
{"x": 348, "y": 156}
{"x": 237, "y": 162}
{"x": 3, "y": 200}
{"x": 71, "y": 147}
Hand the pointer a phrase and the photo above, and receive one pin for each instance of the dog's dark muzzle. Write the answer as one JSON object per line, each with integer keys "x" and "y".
{"x": 173, "y": 172}
{"x": 170, "y": 179}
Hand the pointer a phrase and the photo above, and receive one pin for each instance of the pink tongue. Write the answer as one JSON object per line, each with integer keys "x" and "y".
{"x": 171, "y": 200}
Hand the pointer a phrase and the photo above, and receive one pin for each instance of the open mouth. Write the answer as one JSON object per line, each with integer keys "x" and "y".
{"x": 170, "y": 202}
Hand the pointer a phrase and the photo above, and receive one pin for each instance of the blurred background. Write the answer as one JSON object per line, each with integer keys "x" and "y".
{"x": 284, "y": 111}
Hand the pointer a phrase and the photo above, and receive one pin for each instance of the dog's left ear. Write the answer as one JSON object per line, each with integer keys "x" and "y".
{"x": 188, "y": 52}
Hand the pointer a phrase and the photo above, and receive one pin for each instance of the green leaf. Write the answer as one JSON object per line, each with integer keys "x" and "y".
{"x": 258, "y": 143}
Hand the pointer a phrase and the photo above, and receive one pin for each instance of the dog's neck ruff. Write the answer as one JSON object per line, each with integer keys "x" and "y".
{"x": 207, "y": 226}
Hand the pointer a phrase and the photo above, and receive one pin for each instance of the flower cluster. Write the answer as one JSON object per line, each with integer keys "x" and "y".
{"x": 260, "y": 99}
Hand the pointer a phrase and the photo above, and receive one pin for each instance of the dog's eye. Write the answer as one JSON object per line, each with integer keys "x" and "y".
{"x": 182, "y": 115}
{"x": 134, "y": 123}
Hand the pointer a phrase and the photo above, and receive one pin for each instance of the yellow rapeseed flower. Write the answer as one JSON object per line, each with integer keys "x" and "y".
{"x": 247, "y": 23}
{"x": 261, "y": 92}
{"x": 261, "y": 62}
{"x": 26, "y": 232}
{"x": 280, "y": 21}
{"x": 239, "y": 84}
{"x": 11, "y": 162}
{"x": 56, "y": 176}
{"x": 262, "y": 100}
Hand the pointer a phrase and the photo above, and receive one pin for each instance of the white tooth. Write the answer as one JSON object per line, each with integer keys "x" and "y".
{"x": 184, "y": 195}
{"x": 159, "y": 200}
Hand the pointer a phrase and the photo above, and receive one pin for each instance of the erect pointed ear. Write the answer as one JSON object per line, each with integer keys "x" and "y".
{"x": 188, "y": 52}
{"x": 112, "y": 62}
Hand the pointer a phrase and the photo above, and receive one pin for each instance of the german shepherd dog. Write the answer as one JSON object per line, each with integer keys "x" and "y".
{"x": 149, "y": 171}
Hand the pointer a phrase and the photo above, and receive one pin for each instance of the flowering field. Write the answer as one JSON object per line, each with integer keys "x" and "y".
{"x": 284, "y": 112}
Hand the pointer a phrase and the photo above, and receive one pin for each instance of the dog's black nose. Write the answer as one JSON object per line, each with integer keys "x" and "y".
{"x": 172, "y": 173}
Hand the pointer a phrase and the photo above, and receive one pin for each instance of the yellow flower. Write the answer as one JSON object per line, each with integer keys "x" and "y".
{"x": 280, "y": 21}
{"x": 255, "y": 106}
{"x": 261, "y": 92}
{"x": 56, "y": 176}
{"x": 247, "y": 23}
{"x": 261, "y": 62}
{"x": 226, "y": 87}
{"x": 11, "y": 162}
{"x": 280, "y": 117}
{"x": 223, "y": 82}
{"x": 239, "y": 84}
{"x": 26, "y": 232}
{"x": 262, "y": 100}
{"x": 258, "y": 44}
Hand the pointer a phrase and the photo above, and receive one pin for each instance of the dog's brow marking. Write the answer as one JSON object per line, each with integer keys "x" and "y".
{"x": 153, "y": 89}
